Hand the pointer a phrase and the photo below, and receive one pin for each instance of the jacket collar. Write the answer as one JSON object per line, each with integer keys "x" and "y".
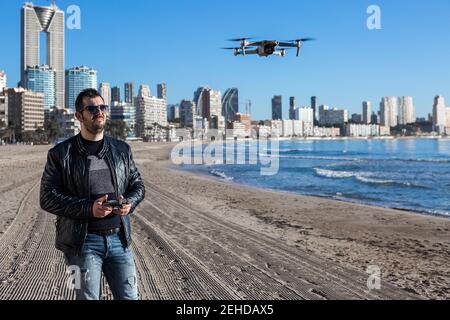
{"x": 83, "y": 150}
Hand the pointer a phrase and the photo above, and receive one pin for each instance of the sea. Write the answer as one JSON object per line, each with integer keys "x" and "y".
{"x": 407, "y": 174}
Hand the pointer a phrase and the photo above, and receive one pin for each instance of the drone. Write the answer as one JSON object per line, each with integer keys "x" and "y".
{"x": 266, "y": 48}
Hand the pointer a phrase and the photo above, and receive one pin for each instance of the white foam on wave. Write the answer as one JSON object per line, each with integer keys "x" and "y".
{"x": 309, "y": 157}
{"x": 365, "y": 177}
{"x": 221, "y": 174}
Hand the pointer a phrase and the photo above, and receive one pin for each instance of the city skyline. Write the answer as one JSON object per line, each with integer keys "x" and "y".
{"x": 260, "y": 79}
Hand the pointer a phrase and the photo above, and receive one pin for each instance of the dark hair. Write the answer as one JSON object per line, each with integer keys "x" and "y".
{"x": 86, "y": 93}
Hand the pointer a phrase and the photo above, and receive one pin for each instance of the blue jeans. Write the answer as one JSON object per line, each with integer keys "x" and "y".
{"x": 110, "y": 255}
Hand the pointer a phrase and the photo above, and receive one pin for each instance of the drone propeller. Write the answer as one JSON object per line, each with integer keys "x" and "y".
{"x": 298, "y": 43}
{"x": 301, "y": 40}
{"x": 240, "y": 39}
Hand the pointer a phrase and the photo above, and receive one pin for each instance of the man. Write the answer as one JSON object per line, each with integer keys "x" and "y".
{"x": 81, "y": 175}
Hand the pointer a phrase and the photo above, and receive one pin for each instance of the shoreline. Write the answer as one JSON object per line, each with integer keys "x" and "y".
{"x": 330, "y": 198}
{"x": 292, "y": 193}
{"x": 412, "y": 249}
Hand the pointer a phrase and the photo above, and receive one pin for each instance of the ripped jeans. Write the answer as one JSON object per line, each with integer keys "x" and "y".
{"x": 110, "y": 255}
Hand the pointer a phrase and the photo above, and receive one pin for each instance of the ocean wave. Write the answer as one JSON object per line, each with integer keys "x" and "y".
{"x": 359, "y": 159}
{"x": 221, "y": 175}
{"x": 433, "y": 160}
{"x": 309, "y": 157}
{"x": 364, "y": 177}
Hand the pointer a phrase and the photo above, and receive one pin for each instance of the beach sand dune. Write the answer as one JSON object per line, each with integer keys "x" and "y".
{"x": 199, "y": 238}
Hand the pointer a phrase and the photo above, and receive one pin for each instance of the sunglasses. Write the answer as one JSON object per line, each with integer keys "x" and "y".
{"x": 95, "y": 109}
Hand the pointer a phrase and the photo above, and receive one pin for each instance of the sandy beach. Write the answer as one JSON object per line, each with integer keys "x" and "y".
{"x": 196, "y": 237}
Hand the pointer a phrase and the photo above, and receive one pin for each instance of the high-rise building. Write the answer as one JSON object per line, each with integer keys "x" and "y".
{"x": 144, "y": 90}
{"x": 162, "y": 91}
{"x": 2, "y": 80}
{"x": 173, "y": 112}
{"x": 149, "y": 110}
{"x": 305, "y": 114}
{"x": 3, "y": 109}
{"x": 367, "y": 112}
{"x": 115, "y": 94}
{"x": 447, "y": 119}
{"x": 292, "y": 106}
{"x": 215, "y": 105}
{"x": 439, "y": 113}
{"x": 357, "y": 118}
{"x": 105, "y": 91}
{"x": 126, "y": 112}
{"x": 389, "y": 112}
{"x": 49, "y": 20}
{"x": 187, "y": 111}
{"x": 25, "y": 110}
{"x": 333, "y": 117}
{"x": 230, "y": 104}
{"x": 208, "y": 103}
{"x": 200, "y": 101}
{"x": 129, "y": 94}
{"x": 314, "y": 107}
{"x": 43, "y": 79}
{"x": 374, "y": 118}
{"x": 78, "y": 79}
{"x": 277, "y": 109}
{"x": 406, "y": 111}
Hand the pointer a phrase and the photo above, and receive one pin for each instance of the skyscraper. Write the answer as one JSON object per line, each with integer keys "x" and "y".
{"x": 129, "y": 92}
{"x": 50, "y": 20}
{"x": 115, "y": 94}
{"x": 389, "y": 112}
{"x": 439, "y": 113}
{"x": 277, "y": 109}
{"x": 122, "y": 111}
{"x": 43, "y": 79}
{"x": 292, "y": 106}
{"x": 187, "y": 109}
{"x": 173, "y": 112}
{"x": 144, "y": 90}
{"x": 149, "y": 110}
{"x": 406, "y": 113}
{"x": 3, "y": 109}
{"x": 78, "y": 79}
{"x": 367, "y": 112}
{"x": 305, "y": 114}
{"x": 208, "y": 103}
{"x": 230, "y": 104}
{"x": 162, "y": 91}
{"x": 199, "y": 101}
{"x": 105, "y": 91}
{"x": 314, "y": 107}
{"x": 2, "y": 80}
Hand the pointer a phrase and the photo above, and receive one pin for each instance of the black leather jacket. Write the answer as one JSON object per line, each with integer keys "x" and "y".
{"x": 65, "y": 188}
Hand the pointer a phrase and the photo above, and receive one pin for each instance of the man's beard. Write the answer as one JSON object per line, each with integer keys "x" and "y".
{"x": 94, "y": 127}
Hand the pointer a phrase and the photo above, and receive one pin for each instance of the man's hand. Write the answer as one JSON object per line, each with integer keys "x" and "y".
{"x": 125, "y": 210}
{"x": 100, "y": 211}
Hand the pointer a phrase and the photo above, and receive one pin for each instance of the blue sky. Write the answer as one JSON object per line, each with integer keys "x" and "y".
{"x": 178, "y": 42}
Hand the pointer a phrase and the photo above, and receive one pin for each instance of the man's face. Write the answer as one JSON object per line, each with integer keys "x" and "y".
{"x": 94, "y": 123}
